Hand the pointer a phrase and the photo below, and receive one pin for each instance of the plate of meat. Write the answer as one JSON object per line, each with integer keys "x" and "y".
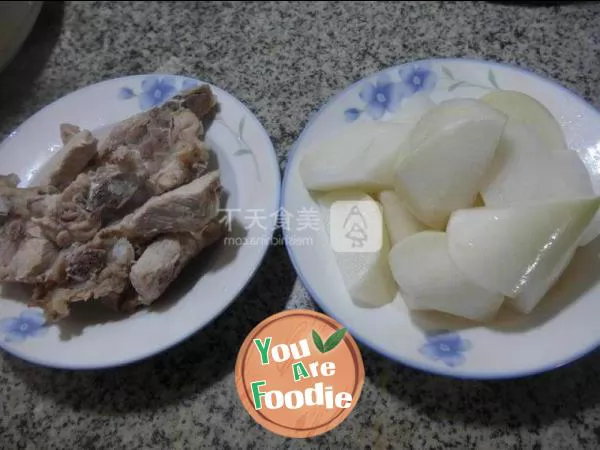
{"x": 132, "y": 213}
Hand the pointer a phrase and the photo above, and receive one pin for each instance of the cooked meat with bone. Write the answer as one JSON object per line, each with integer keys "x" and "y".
{"x": 142, "y": 193}
{"x": 165, "y": 258}
{"x": 66, "y": 219}
{"x": 31, "y": 261}
{"x": 11, "y": 236}
{"x": 78, "y": 151}
{"x": 111, "y": 188}
{"x": 152, "y": 132}
{"x": 185, "y": 164}
{"x": 67, "y": 131}
{"x": 22, "y": 202}
{"x": 185, "y": 209}
{"x": 11, "y": 180}
{"x": 106, "y": 283}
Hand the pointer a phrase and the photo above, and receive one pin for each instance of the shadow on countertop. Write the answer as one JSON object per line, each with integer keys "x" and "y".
{"x": 176, "y": 375}
{"x": 532, "y": 402}
{"x": 17, "y": 78}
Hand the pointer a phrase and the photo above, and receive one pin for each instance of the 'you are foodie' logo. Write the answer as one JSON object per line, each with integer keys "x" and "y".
{"x": 299, "y": 373}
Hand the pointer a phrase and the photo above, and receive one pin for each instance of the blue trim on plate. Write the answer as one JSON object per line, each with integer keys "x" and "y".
{"x": 271, "y": 231}
{"x": 409, "y": 362}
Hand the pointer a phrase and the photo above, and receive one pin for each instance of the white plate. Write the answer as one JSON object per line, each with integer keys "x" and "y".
{"x": 563, "y": 328}
{"x": 92, "y": 337}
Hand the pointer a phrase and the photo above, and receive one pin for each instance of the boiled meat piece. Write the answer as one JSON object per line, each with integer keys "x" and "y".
{"x": 185, "y": 209}
{"x": 10, "y": 181}
{"x": 67, "y": 131}
{"x": 24, "y": 251}
{"x": 11, "y": 235}
{"x": 25, "y": 254}
{"x": 111, "y": 188}
{"x": 20, "y": 202}
{"x": 165, "y": 258}
{"x": 77, "y": 214}
{"x": 151, "y": 132}
{"x": 187, "y": 128}
{"x": 181, "y": 167}
{"x": 106, "y": 283}
{"x": 143, "y": 195}
{"x": 66, "y": 219}
{"x": 78, "y": 151}
{"x": 31, "y": 261}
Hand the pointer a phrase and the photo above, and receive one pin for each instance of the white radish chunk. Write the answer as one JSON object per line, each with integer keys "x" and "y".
{"x": 362, "y": 156}
{"x": 525, "y": 170}
{"x": 518, "y": 250}
{"x": 522, "y": 109}
{"x": 413, "y": 108}
{"x": 400, "y": 222}
{"x": 429, "y": 280}
{"x": 367, "y": 275}
{"x": 453, "y": 146}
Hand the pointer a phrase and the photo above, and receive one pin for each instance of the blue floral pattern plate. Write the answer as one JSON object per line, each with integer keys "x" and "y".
{"x": 95, "y": 338}
{"x": 561, "y": 329}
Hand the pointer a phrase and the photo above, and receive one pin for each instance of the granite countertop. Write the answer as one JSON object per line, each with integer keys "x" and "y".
{"x": 284, "y": 60}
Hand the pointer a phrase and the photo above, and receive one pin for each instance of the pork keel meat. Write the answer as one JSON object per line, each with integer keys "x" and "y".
{"x": 185, "y": 209}
{"x": 115, "y": 222}
{"x": 11, "y": 180}
{"x": 110, "y": 263}
{"x": 165, "y": 258}
{"x": 78, "y": 151}
{"x": 153, "y": 132}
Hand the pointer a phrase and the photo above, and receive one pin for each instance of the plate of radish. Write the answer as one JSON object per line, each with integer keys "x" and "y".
{"x": 471, "y": 195}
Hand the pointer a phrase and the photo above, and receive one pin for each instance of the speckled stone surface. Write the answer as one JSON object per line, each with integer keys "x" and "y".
{"x": 284, "y": 60}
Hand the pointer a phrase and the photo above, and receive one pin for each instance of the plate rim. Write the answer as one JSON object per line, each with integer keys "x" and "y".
{"x": 414, "y": 364}
{"x": 247, "y": 278}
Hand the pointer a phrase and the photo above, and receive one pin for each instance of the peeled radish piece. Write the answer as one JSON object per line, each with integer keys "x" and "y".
{"x": 362, "y": 156}
{"x": 400, "y": 222}
{"x": 429, "y": 279}
{"x": 527, "y": 300}
{"x": 453, "y": 148}
{"x": 522, "y": 109}
{"x": 518, "y": 250}
{"x": 524, "y": 170}
{"x": 413, "y": 108}
{"x": 367, "y": 275}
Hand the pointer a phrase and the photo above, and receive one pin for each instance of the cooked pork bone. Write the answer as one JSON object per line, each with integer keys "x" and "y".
{"x": 183, "y": 210}
{"x": 181, "y": 167}
{"x": 31, "y": 261}
{"x": 11, "y": 236}
{"x": 77, "y": 237}
{"x": 110, "y": 188}
{"x": 78, "y": 151}
{"x": 22, "y": 202}
{"x": 11, "y": 180}
{"x": 67, "y": 131}
{"x": 77, "y": 214}
{"x": 25, "y": 254}
{"x": 66, "y": 219}
{"x": 106, "y": 284}
{"x": 165, "y": 258}
{"x": 153, "y": 132}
